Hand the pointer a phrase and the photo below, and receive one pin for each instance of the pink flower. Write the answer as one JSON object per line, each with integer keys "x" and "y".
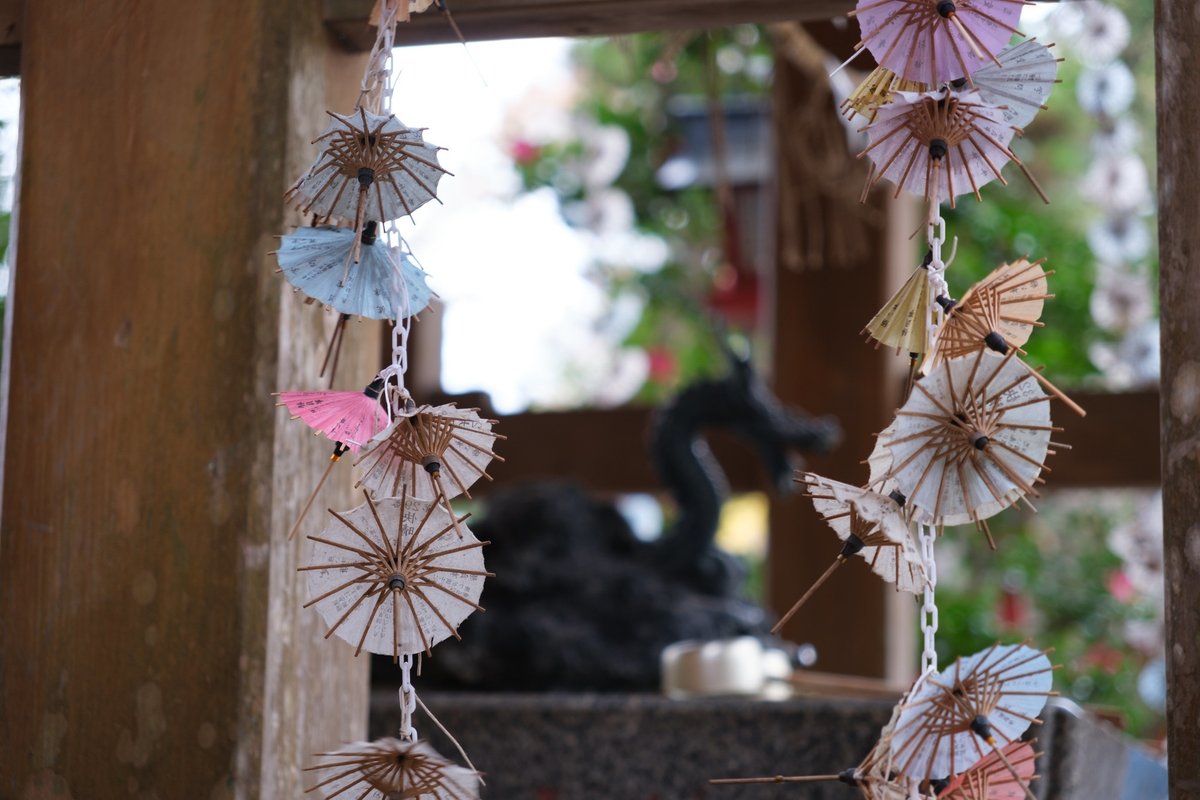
{"x": 1119, "y": 586}
{"x": 524, "y": 153}
{"x": 662, "y": 364}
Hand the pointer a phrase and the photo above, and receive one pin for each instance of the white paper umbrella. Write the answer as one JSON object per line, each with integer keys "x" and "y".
{"x": 1020, "y": 83}
{"x": 439, "y": 452}
{"x": 869, "y": 525}
{"x": 971, "y": 440}
{"x": 387, "y": 578}
{"x": 392, "y": 769}
{"x": 939, "y": 145}
{"x": 384, "y": 283}
{"x": 973, "y": 708}
{"x": 371, "y": 167}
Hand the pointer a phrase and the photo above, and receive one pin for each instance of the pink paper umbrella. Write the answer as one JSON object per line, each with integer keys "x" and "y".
{"x": 934, "y": 41}
{"x": 939, "y": 145}
{"x": 348, "y": 418}
{"x": 989, "y": 778}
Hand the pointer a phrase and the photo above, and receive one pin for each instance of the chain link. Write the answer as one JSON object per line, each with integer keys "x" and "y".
{"x": 408, "y": 700}
{"x": 929, "y": 609}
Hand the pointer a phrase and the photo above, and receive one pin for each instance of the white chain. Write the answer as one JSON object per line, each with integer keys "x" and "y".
{"x": 408, "y": 700}
{"x": 936, "y": 235}
{"x": 929, "y": 609}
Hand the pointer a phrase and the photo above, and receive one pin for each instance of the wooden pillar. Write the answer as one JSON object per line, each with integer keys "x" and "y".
{"x": 838, "y": 263}
{"x": 1177, "y": 48}
{"x": 151, "y": 638}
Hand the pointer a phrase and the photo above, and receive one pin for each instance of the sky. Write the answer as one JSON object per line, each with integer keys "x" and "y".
{"x": 520, "y": 311}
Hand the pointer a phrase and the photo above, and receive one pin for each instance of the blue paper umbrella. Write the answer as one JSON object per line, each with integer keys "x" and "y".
{"x": 319, "y": 262}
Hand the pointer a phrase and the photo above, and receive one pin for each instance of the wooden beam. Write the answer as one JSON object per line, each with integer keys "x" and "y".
{"x": 512, "y": 19}
{"x": 1115, "y": 445}
{"x": 822, "y": 296}
{"x": 10, "y": 37}
{"x": 152, "y": 642}
{"x": 1177, "y": 31}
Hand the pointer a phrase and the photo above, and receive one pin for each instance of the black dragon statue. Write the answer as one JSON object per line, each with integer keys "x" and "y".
{"x": 579, "y": 602}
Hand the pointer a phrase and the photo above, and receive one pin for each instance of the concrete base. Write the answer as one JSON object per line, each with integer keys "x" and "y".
{"x": 646, "y": 747}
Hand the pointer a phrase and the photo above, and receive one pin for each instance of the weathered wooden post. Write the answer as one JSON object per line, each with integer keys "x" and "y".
{"x": 151, "y": 638}
{"x": 1177, "y": 45}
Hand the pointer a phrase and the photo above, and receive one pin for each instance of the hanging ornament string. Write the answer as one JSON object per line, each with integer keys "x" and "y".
{"x": 936, "y": 236}
{"x": 399, "y": 401}
{"x": 376, "y": 90}
{"x": 929, "y": 609}
{"x": 408, "y": 700}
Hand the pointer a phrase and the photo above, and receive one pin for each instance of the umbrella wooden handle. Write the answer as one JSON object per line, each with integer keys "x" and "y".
{"x": 774, "y": 779}
{"x": 804, "y": 598}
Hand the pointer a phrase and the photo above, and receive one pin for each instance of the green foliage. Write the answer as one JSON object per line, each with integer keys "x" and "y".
{"x": 1049, "y": 581}
{"x": 630, "y": 83}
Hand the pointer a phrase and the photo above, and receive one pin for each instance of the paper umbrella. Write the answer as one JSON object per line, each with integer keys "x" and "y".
{"x": 371, "y": 167}
{"x": 869, "y": 525}
{"x": 902, "y": 322}
{"x": 938, "y": 145}
{"x": 1019, "y": 82}
{"x": 354, "y": 274}
{"x": 989, "y": 778}
{"x": 392, "y": 769}
{"x": 934, "y": 41}
{"x": 387, "y": 579}
{"x": 998, "y": 313}
{"x": 972, "y": 709}
{"x": 971, "y": 440}
{"x": 875, "y": 90}
{"x": 436, "y": 454}
{"x": 346, "y": 418}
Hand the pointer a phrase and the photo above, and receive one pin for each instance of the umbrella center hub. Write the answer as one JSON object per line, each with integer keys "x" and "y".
{"x": 996, "y": 342}
{"x": 938, "y": 149}
{"x": 366, "y": 176}
{"x": 432, "y": 464}
{"x": 898, "y": 497}
{"x": 946, "y": 8}
{"x": 397, "y": 583}
{"x": 979, "y": 440}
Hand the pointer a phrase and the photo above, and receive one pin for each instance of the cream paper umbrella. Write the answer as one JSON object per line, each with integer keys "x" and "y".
{"x": 1020, "y": 83}
{"x": 999, "y": 313}
{"x": 870, "y": 525}
{"x": 370, "y": 167}
{"x": 436, "y": 454}
{"x": 973, "y": 708}
{"x": 875, "y": 90}
{"x": 971, "y": 440}
{"x": 939, "y": 145}
{"x": 990, "y": 779}
{"x": 392, "y": 769}
{"x": 386, "y": 577}
{"x": 901, "y": 323}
